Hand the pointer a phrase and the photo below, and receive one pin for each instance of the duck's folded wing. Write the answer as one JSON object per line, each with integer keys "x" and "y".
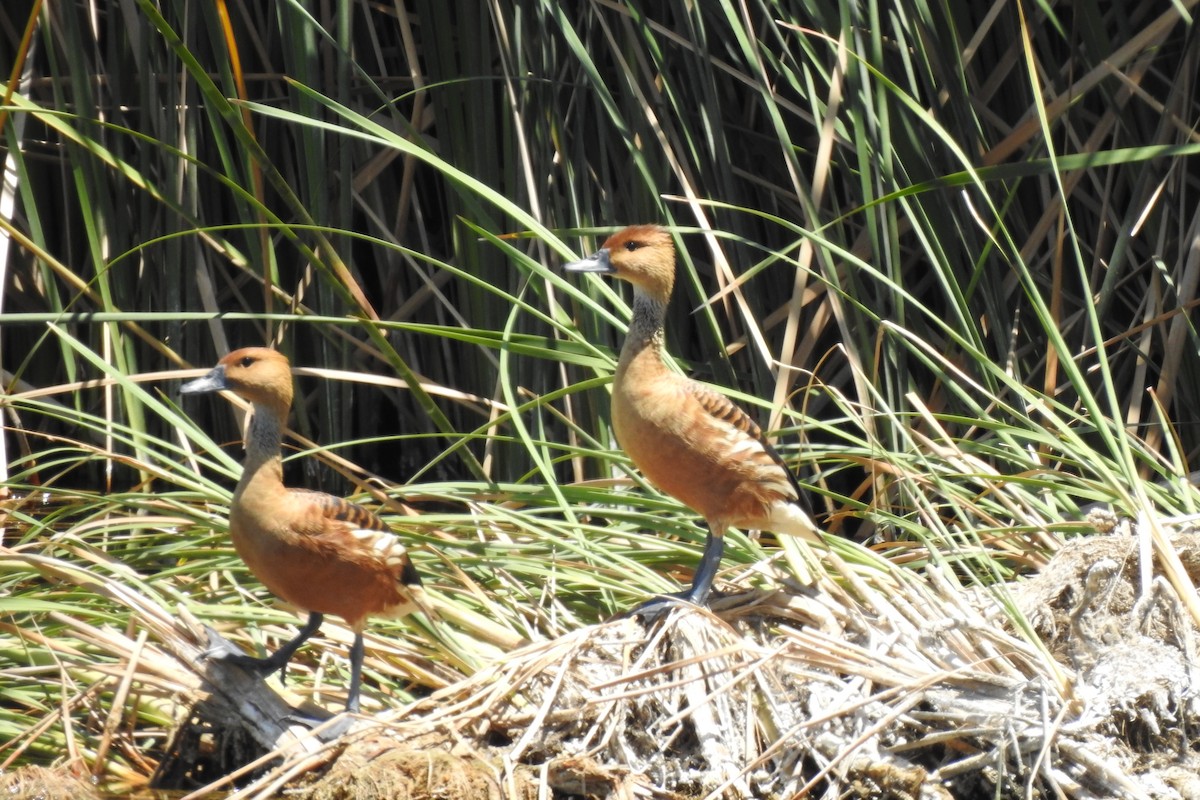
{"x": 742, "y": 439}
{"x": 352, "y": 528}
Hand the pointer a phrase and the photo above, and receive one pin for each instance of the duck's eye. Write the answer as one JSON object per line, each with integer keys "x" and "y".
{"x": 247, "y": 361}
{"x": 631, "y": 246}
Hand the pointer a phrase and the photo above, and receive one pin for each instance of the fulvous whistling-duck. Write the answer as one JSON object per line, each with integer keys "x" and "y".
{"x": 687, "y": 439}
{"x": 318, "y": 552}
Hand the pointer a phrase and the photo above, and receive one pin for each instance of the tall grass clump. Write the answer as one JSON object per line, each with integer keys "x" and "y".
{"x": 945, "y": 254}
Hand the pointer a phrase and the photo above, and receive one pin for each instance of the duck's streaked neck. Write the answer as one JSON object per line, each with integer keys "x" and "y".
{"x": 263, "y": 440}
{"x": 646, "y": 327}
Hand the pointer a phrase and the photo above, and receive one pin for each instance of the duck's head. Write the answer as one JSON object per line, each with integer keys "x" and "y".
{"x": 257, "y": 374}
{"x": 644, "y": 255}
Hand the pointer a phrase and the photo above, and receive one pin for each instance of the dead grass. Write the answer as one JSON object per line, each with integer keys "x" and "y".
{"x": 41, "y": 783}
{"x": 922, "y": 690}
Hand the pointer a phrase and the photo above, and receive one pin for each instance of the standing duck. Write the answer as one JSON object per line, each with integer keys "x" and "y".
{"x": 318, "y": 552}
{"x": 688, "y": 440}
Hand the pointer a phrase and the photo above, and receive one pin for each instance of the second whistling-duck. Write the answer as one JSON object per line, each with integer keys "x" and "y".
{"x": 318, "y": 552}
{"x": 687, "y": 439}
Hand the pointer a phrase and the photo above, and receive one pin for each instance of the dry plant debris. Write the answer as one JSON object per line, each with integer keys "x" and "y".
{"x": 838, "y": 689}
{"x": 42, "y": 783}
{"x": 922, "y": 691}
